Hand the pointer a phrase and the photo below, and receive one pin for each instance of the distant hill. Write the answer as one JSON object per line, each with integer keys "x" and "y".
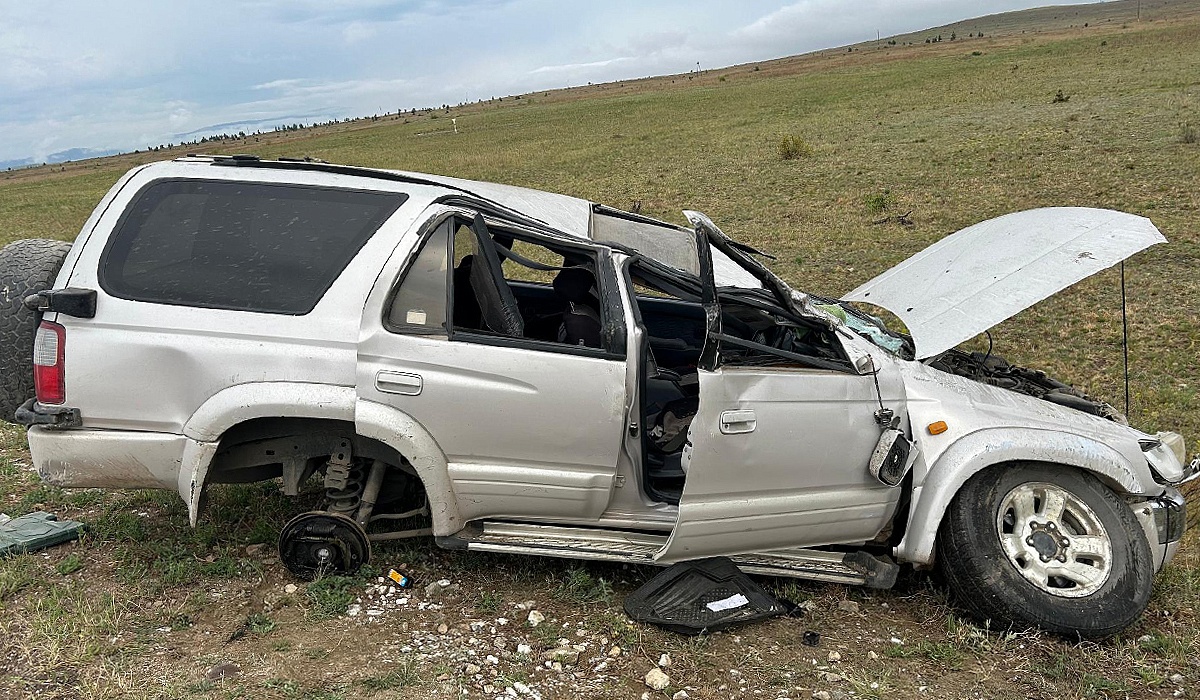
{"x": 1052, "y": 18}
{"x": 1113, "y": 14}
{"x": 71, "y": 154}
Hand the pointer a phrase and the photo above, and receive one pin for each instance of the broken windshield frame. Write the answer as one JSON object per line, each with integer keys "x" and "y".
{"x": 868, "y": 326}
{"x": 785, "y": 296}
{"x": 703, "y": 290}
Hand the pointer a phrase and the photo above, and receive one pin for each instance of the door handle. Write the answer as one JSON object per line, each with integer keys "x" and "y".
{"x": 398, "y": 383}
{"x": 739, "y": 421}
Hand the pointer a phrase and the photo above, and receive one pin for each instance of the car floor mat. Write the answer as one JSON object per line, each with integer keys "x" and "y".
{"x": 701, "y": 596}
{"x": 35, "y": 531}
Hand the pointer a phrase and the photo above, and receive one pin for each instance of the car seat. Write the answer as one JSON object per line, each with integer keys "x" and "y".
{"x": 581, "y": 318}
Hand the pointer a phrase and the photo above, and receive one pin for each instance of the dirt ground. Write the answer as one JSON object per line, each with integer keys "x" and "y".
{"x": 145, "y": 607}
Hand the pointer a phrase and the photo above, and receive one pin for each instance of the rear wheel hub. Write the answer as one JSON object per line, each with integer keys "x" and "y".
{"x": 318, "y": 543}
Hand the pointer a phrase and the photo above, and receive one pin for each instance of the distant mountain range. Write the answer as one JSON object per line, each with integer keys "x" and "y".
{"x": 60, "y": 157}
{"x": 229, "y": 128}
{"x": 251, "y": 125}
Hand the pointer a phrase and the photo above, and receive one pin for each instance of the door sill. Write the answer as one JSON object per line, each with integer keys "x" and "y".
{"x": 598, "y": 544}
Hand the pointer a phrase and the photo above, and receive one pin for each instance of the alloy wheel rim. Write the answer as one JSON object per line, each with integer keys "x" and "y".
{"x": 1054, "y": 540}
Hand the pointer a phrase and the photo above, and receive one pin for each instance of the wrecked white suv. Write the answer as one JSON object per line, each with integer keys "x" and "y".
{"x": 511, "y": 370}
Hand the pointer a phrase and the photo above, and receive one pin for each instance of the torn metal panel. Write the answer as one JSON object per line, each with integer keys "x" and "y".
{"x": 971, "y": 280}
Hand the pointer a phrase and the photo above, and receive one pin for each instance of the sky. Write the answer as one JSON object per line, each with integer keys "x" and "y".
{"x": 128, "y": 74}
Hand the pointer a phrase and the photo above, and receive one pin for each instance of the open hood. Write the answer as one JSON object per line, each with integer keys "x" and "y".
{"x": 971, "y": 280}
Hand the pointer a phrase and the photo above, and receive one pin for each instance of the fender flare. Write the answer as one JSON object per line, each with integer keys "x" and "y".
{"x": 193, "y": 470}
{"x": 243, "y": 402}
{"x": 977, "y": 451}
{"x": 404, "y": 434}
{"x": 373, "y": 420}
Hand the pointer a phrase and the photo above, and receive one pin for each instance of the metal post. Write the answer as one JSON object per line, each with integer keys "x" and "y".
{"x": 1125, "y": 337}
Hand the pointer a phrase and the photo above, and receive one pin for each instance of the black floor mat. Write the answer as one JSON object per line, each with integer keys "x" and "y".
{"x": 698, "y": 597}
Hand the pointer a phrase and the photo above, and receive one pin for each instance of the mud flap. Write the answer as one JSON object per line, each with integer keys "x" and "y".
{"x": 701, "y": 596}
{"x": 34, "y": 531}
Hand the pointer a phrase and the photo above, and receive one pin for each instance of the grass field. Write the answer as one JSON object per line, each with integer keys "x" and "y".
{"x": 951, "y": 133}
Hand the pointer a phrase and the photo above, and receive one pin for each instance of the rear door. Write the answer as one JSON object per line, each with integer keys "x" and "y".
{"x": 531, "y": 427}
{"x": 779, "y": 454}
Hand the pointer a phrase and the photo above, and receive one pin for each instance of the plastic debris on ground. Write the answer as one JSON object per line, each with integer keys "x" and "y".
{"x": 34, "y": 531}
{"x": 698, "y": 597}
{"x": 400, "y": 579}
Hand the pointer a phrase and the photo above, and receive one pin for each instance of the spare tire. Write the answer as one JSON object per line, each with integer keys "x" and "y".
{"x": 26, "y": 267}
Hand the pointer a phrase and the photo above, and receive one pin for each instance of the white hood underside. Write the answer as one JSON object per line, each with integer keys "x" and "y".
{"x": 971, "y": 280}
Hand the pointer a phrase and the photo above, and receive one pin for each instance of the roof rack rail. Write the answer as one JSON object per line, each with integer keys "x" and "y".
{"x": 223, "y": 156}
{"x": 248, "y": 161}
{"x": 304, "y": 159}
{"x": 317, "y": 165}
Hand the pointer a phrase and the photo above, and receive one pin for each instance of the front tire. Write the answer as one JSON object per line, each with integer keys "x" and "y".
{"x": 1034, "y": 545}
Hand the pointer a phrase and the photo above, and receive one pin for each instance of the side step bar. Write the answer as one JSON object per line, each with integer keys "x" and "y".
{"x": 855, "y": 568}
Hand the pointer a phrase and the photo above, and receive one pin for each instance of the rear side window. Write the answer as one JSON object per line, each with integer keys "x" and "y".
{"x": 235, "y": 245}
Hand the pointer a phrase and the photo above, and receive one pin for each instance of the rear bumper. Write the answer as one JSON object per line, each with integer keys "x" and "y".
{"x": 106, "y": 458}
{"x": 32, "y": 413}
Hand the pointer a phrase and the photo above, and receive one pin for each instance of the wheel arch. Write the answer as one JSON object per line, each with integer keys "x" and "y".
{"x": 243, "y": 402}
{"x": 408, "y": 437}
{"x": 315, "y": 405}
{"x": 992, "y": 448}
{"x": 240, "y": 403}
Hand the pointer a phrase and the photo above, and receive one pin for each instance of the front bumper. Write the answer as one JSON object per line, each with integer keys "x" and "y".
{"x": 1163, "y": 519}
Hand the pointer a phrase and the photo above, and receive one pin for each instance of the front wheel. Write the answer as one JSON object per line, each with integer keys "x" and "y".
{"x": 1032, "y": 545}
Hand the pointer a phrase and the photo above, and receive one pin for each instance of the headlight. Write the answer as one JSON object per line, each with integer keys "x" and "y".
{"x": 1166, "y": 454}
{"x": 1175, "y": 442}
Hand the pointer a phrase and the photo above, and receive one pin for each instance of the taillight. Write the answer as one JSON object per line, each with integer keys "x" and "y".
{"x": 49, "y": 379}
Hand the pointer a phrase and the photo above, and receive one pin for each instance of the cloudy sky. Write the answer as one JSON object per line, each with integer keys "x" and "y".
{"x": 126, "y": 74}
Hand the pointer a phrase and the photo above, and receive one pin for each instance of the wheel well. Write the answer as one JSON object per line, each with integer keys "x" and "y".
{"x": 1104, "y": 479}
{"x": 260, "y": 448}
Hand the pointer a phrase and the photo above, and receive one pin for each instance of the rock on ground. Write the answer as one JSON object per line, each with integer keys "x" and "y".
{"x": 657, "y": 680}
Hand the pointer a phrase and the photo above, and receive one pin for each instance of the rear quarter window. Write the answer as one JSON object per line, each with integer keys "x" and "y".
{"x": 233, "y": 245}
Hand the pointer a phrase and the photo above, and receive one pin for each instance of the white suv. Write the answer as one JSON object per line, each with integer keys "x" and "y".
{"x": 518, "y": 371}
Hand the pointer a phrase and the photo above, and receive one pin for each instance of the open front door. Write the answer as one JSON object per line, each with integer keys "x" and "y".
{"x": 779, "y": 451}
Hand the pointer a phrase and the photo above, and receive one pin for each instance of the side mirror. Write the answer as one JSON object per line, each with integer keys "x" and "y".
{"x": 892, "y": 458}
{"x": 865, "y": 365}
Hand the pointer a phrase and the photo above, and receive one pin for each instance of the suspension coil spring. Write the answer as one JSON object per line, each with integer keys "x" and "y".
{"x": 343, "y": 484}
